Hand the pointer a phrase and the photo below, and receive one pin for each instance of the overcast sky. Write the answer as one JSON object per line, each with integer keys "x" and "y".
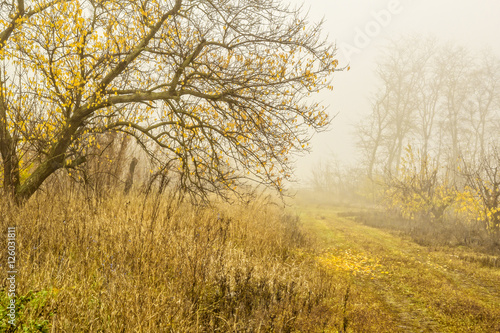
{"x": 360, "y": 28}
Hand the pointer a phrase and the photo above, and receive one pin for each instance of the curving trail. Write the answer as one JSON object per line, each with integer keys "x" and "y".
{"x": 414, "y": 288}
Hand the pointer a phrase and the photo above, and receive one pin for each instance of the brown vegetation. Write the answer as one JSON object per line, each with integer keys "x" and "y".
{"x": 142, "y": 264}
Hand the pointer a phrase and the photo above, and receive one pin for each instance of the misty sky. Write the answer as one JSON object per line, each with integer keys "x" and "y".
{"x": 360, "y": 28}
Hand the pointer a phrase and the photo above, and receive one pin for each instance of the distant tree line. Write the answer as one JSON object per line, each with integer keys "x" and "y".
{"x": 431, "y": 142}
{"x": 430, "y": 147}
{"x": 440, "y": 98}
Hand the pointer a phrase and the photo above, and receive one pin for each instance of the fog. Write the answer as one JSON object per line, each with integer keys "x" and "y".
{"x": 360, "y": 28}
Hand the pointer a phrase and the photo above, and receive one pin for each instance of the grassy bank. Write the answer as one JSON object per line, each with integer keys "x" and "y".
{"x": 128, "y": 264}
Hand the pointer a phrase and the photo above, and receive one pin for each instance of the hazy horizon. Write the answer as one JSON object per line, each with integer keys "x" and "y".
{"x": 360, "y": 28}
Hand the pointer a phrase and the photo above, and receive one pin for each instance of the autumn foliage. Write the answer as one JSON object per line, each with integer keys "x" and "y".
{"x": 429, "y": 146}
{"x": 419, "y": 191}
{"x": 214, "y": 91}
{"x": 424, "y": 193}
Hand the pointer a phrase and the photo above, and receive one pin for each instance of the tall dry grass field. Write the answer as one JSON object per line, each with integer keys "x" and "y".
{"x": 139, "y": 264}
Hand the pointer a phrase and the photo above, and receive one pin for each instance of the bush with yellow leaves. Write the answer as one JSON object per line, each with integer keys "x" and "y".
{"x": 418, "y": 191}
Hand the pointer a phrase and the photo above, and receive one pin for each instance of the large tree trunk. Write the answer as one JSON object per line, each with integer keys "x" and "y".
{"x": 8, "y": 151}
{"x": 11, "y": 178}
{"x": 29, "y": 187}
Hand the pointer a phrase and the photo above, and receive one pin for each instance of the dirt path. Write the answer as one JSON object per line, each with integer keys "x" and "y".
{"x": 421, "y": 289}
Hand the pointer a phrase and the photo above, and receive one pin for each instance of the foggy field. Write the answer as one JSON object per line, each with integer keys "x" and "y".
{"x": 249, "y": 166}
{"x": 136, "y": 263}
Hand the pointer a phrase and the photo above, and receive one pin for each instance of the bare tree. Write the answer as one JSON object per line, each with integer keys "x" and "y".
{"x": 439, "y": 98}
{"x": 456, "y": 91}
{"x": 220, "y": 86}
{"x": 395, "y": 106}
{"x": 428, "y": 95}
{"x": 371, "y": 134}
{"x": 481, "y": 105}
{"x": 483, "y": 178}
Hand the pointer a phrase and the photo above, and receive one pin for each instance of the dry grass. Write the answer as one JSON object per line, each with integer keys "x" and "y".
{"x": 132, "y": 265}
{"x": 415, "y": 288}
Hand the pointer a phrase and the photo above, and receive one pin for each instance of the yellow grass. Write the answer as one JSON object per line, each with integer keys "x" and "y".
{"x": 416, "y": 288}
{"x": 129, "y": 265}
